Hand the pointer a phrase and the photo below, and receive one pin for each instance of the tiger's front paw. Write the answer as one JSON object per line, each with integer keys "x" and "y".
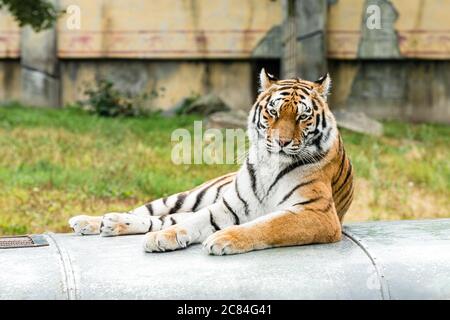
{"x": 115, "y": 224}
{"x": 169, "y": 239}
{"x": 83, "y": 225}
{"x": 228, "y": 241}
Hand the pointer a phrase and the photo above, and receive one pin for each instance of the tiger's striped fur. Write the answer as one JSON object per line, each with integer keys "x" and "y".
{"x": 293, "y": 189}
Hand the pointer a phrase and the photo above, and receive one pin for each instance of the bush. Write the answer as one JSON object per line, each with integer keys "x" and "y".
{"x": 105, "y": 100}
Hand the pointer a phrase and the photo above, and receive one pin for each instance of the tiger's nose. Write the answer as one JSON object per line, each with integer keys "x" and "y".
{"x": 284, "y": 142}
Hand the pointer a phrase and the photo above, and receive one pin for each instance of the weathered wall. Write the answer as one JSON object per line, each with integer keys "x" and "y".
{"x": 9, "y": 36}
{"x": 173, "y": 80}
{"x": 10, "y": 74}
{"x": 400, "y": 71}
{"x": 409, "y": 29}
{"x": 413, "y": 90}
{"x": 168, "y": 28}
{"x": 10, "y": 80}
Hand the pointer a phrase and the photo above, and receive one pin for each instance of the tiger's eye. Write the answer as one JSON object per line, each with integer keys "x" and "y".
{"x": 273, "y": 112}
{"x": 303, "y": 116}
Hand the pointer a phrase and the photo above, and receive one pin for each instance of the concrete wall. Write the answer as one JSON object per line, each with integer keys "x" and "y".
{"x": 409, "y": 29}
{"x": 9, "y": 36}
{"x": 173, "y": 80}
{"x": 413, "y": 90}
{"x": 400, "y": 71}
{"x": 167, "y": 28}
{"x": 10, "y": 70}
{"x": 10, "y": 80}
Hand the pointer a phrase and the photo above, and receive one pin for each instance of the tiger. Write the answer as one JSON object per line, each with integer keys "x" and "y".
{"x": 294, "y": 187}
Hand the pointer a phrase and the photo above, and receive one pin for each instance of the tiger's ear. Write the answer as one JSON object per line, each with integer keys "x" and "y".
{"x": 265, "y": 80}
{"x": 324, "y": 85}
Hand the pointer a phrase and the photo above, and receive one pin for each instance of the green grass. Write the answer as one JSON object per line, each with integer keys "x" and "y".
{"x": 57, "y": 163}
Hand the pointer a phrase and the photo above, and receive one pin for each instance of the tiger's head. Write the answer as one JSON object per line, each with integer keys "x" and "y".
{"x": 291, "y": 117}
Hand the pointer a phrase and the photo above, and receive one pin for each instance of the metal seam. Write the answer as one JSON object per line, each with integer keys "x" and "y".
{"x": 69, "y": 281}
{"x": 385, "y": 295}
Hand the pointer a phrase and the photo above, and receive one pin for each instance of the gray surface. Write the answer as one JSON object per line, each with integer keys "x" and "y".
{"x": 414, "y": 257}
{"x": 409, "y": 259}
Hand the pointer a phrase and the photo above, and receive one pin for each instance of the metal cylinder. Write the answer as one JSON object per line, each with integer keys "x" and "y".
{"x": 376, "y": 260}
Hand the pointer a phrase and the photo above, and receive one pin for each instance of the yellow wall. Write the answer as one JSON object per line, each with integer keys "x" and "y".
{"x": 423, "y": 28}
{"x": 9, "y": 36}
{"x": 224, "y": 28}
{"x": 232, "y": 81}
{"x": 168, "y": 28}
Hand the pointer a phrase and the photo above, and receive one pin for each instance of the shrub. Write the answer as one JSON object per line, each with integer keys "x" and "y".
{"x": 106, "y": 100}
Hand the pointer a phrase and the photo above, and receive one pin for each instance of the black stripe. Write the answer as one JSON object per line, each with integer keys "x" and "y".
{"x": 307, "y": 202}
{"x": 251, "y": 172}
{"x": 349, "y": 171}
{"x": 348, "y": 190}
{"x": 304, "y": 86}
{"x": 324, "y": 121}
{"x": 180, "y": 200}
{"x": 161, "y": 218}
{"x": 213, "y": 223}
{"x": 295, "y": 188}
{"x": 236, "y": 218}
{"x": 347, "y": 202}
{"x": 254, "y": 114}
{"x": 164, "y": 200}
{"x": 317, "y": 141}
{"x": 151, "y": 225}
{"x": 285, "y": 87}
{"x": 258, "y": 123}
{"x": 304, "y": 91}
{"x": 173, "y": 220}
{"x": 349, "y": 193}
{"x": 341, "y": 167}
{"x": 200, "y": 195}
{"x": 240, "y": 198}
{"x": 314, "y": 105}
{"x": 220, "y": 188}
{"x": 287, "y": 81}
{"x": 295, "y": 165}
{"x": 340, "y": 143}
{"x": 318, "y": 117}
{"x": 149, "y": 207}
